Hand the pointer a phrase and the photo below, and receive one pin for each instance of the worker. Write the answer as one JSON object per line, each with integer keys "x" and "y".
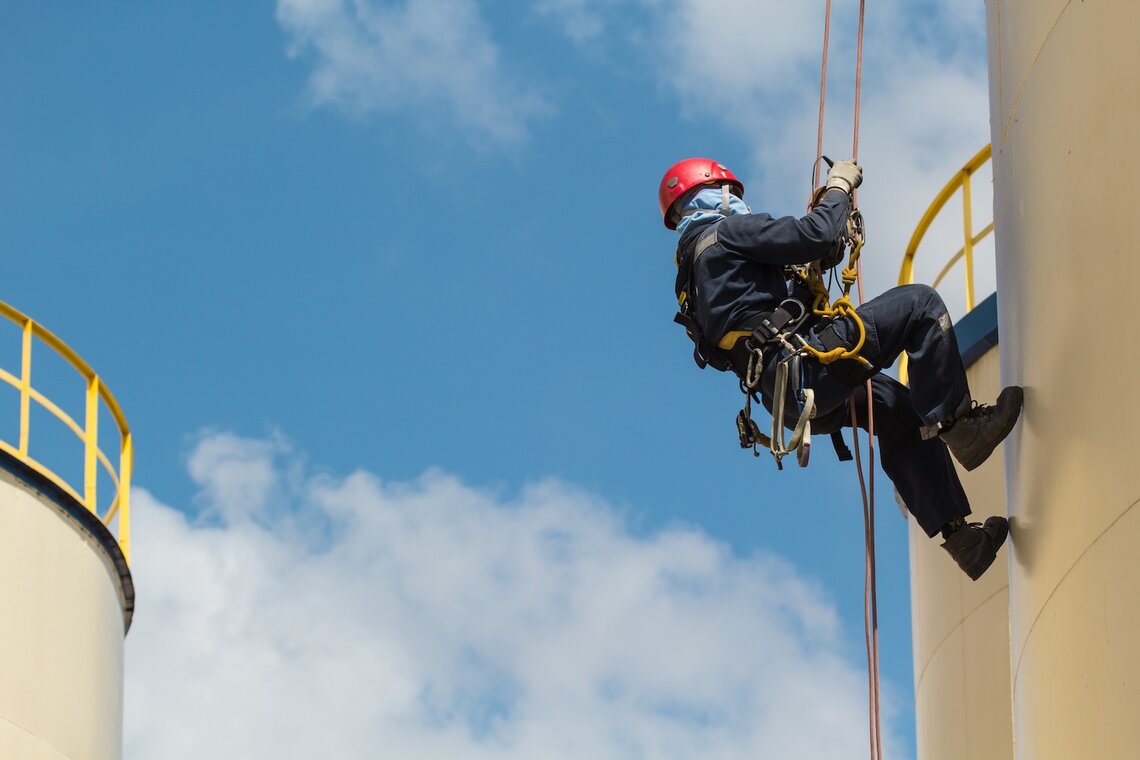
{"x": 732, "y": 271}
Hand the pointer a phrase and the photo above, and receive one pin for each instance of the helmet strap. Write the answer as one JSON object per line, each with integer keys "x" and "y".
{"x": 724, "y": 208}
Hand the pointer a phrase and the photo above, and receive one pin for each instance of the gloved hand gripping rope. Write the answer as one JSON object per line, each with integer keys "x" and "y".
{"x": 853, "y": 240}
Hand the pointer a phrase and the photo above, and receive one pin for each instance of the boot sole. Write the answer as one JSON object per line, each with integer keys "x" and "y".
{"x": 977, "y": 461}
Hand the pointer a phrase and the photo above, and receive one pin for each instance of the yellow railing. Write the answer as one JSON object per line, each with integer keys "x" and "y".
{"x": 118, "y": 507}
{"x": 960, "y": 180}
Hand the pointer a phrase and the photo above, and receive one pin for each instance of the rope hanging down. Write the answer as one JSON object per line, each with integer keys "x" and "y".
{"x": 842, "y": 307}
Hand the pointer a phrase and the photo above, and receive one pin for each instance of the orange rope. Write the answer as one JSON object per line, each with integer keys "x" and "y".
{"x": 858, "y": 81}
{"x": 871, "y": 616}
{"x": 870, "y": 593}
{"x": 866, "y": 487}
{"x": 822, "y": 103}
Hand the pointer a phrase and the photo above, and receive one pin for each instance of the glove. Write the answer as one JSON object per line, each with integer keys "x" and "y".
{"x": 845, "y": 176}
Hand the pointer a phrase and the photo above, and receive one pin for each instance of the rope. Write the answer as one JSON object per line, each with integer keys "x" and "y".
{"x": 822, "y": 98}
{"x": 821, "y": 304}
{"x": 866, "y": 487}
{"x": 870, "y": 594}
{"x": 858, "y": 81}
{"x": 871, "y": 591}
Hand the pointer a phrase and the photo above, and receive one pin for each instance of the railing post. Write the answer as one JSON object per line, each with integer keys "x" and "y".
{"x": 126, "y": 464}
{"x": 26, "y": 386}
{"x": 968, "y": 221}
{"x": 91, "y": 445}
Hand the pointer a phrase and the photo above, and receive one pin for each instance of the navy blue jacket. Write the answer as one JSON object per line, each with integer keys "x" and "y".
{"x": 742, "y": 274}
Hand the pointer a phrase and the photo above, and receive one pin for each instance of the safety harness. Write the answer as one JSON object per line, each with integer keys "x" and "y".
{"x": 776, "y": 334}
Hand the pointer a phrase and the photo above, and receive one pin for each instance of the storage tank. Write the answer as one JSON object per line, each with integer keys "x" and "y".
{"x": 961, "y": 627}
{"x": 65, "y": 586}
{"x": 1064, "y": 116}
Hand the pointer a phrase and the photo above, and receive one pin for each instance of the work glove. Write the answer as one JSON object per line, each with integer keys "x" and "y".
{"x": 845, "y": 176}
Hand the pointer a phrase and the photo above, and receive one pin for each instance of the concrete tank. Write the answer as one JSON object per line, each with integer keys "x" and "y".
{"x": 1064, "y": 120}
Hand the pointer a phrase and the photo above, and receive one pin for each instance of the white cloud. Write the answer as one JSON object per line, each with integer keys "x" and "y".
{"x": 917, "y": 134}
{"x": 924, "y": 105}
{"x": 236, "y": 475}
{"x": 579, "y": 21}
{"x": 753, "y": 69}
{"x": 434, "y": 59}
{"x": 434, "y": 620}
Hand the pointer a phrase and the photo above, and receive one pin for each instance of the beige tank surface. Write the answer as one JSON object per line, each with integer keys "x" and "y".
{"x": 66, "y": 591}
{"x": 1065, "y": 116}
{"x": 961, "y": 628}
{"x": 66, "y": 597}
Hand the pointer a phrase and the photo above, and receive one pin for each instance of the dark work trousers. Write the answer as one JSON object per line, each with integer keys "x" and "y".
{"x": 910, "y": 318}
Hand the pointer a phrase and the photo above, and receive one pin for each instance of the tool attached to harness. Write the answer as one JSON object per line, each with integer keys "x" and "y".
{"x": 769, "y": 337}
{"x": 790, "y": 368}
{"x": 746, "y": 427}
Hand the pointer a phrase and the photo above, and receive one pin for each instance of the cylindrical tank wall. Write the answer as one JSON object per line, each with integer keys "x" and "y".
{"x": 961, "y": 627}
{"x": 62, "y": 633}
{"x": 1064, "y": 116}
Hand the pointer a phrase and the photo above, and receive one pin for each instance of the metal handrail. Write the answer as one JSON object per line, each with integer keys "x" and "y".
{"x": 960, "y": 180}
{"x": 93, "y": 457}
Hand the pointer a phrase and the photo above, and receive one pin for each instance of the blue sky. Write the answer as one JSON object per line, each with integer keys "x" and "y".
{"x": 411, "y": 250}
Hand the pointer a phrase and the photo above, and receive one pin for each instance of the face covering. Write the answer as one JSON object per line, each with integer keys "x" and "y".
{"x": 710, "y": 198}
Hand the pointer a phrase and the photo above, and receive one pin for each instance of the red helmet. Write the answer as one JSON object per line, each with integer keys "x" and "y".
{"x": 683, "y": 176}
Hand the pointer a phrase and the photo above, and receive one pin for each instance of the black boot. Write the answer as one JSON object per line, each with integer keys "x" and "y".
{"x": 974, "y": 435}
{"x": 974, "y": 546}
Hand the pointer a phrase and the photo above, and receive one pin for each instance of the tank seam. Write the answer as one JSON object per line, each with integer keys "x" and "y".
{"x": 944, "y": 639}
{"x": 1029, "y": 72}
{"x": 1056, "y": 588}
{"x": 33, "y": 734}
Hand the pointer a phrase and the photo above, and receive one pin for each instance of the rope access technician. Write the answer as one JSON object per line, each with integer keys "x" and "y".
{"x": 738, "y": 303}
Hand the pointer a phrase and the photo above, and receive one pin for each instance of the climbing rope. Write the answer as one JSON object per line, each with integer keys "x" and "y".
{"x": 822, "y": 98}
{"x": 842, "y": 307}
